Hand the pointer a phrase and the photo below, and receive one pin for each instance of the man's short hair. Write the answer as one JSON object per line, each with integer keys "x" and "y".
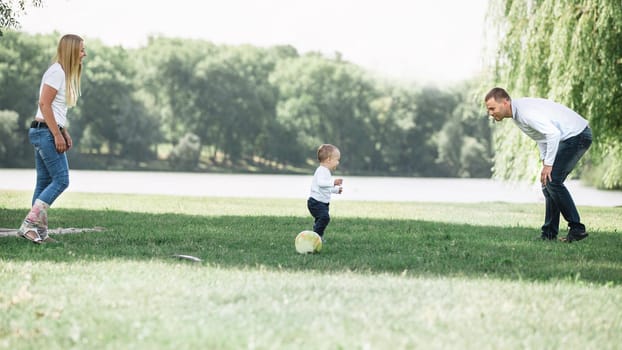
{"x": 498, "y": 94}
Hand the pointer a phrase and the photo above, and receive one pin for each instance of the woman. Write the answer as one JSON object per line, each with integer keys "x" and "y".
{"x": 60, "y": 89}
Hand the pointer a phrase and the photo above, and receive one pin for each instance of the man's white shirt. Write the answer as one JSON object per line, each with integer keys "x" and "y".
{"x": 547, "y": 123}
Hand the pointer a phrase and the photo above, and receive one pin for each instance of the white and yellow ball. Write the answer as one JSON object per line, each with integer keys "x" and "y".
{"x": 308, "y": 242}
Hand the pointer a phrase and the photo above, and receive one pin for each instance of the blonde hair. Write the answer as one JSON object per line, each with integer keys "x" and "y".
{"x": 325, "y": 151}
{"x": 68, "y": 56}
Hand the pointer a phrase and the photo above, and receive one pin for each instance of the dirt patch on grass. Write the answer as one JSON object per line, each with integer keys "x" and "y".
{"x": 7, "y": 232}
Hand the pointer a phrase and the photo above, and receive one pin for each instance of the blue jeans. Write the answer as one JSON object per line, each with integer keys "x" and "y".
{"x": 52, "y": 167}
{"x": 319, "y": 210}
{"x": 556, "y": 195}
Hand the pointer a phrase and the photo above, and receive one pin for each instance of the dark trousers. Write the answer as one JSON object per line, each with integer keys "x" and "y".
{"x": 556, "y": 195}
{"x": 319, "y": 211}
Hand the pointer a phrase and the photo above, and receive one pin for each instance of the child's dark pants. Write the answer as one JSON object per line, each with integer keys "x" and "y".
{"x": 319, "y": 210}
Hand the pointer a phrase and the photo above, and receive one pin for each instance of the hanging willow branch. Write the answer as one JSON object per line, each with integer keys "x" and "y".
{"x": 569, "y": 51}
{"x": 10, "y": 10}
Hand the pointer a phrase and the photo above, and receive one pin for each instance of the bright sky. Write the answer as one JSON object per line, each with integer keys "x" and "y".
{"x": 429, "y": 41}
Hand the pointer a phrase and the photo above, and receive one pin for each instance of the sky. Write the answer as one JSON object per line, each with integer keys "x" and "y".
{"x": 426, "y": 41}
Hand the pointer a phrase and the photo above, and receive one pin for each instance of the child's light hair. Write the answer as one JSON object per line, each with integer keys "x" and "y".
{"x": 68, "y": 55}
{"x": 325, "y": 151}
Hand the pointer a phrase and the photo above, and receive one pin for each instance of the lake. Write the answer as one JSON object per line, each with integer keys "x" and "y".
{"x": 297, "y": 186}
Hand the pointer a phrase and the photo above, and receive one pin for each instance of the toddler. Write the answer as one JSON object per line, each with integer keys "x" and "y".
{"x": 322, "y": 186}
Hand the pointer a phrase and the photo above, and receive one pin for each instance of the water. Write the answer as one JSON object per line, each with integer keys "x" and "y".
{"x": 357, "y": 188}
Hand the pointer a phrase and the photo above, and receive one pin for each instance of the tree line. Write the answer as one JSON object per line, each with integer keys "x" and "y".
{"x": 192, "y": 105}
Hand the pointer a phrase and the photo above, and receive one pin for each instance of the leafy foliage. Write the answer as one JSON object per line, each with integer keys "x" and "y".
{"x": 569, "y": 51}
{"x": 10, "y": 10}
{"x": 185, "y": 155}
{"x": 23, "y": 60}
{"x": 10, "y": 138}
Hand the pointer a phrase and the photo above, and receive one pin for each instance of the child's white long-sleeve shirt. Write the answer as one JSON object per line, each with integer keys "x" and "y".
{"x": 323, "y": 185}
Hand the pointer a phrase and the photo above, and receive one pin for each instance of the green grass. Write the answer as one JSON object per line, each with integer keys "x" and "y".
{"x": 392, "y": 275}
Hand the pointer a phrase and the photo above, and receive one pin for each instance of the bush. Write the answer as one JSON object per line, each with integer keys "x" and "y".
{"x": 12, "y": 139}
{"x": 185, "y": 155}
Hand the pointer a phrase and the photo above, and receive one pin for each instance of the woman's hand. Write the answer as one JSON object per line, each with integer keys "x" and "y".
{"x": 61, "y": 144}
{"x": 68, "y": 139}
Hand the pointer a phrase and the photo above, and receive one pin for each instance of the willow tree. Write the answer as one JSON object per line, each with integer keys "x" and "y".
{"x": 11, "y": 10}
{"x": 569, "y": 51}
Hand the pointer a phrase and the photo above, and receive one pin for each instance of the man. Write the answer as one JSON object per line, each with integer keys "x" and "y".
{"x": 563, "y": 136}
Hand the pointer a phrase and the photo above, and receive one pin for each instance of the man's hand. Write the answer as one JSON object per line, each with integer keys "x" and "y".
{"x": 545, "y": 175}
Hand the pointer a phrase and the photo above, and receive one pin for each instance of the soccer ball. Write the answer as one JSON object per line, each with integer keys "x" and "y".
{"x": 308, "y": 242}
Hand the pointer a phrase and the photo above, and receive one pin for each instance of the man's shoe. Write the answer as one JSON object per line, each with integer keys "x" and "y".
{"x": 545, "y": 237}
{"x": 574, "y": 237}
{"x": 577, "y": 231}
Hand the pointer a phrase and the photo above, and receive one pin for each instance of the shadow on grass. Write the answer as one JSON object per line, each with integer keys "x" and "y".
{"x": 407, "y": 247}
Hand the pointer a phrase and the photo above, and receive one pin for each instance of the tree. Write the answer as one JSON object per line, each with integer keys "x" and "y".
{"x": 185, "y": 155}
{"x": 109, "y": 111}
{"x": 324, "y": 101}
{"x": 449, "y": 143}
{"x": 166, "y": 68}
{"x": 23, "y": 60}
{"x": 568, "y": 51}
{"x": 10, "y": 10}
{"x": 434, "y": 109}
{"x": 11, "y": 139}
{"x": 234, "y": 99}
{"x": 464, "y": 143}
{"x": 394, "y": 117}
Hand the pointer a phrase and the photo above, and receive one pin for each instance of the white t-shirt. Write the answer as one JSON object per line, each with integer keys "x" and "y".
{"x": 323, "y": 185}
{"x": 55, "y": 78}
{"x": 547, "y": 123}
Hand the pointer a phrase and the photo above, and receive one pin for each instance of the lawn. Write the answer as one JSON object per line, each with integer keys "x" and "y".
{"x": 391, "y": 276}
